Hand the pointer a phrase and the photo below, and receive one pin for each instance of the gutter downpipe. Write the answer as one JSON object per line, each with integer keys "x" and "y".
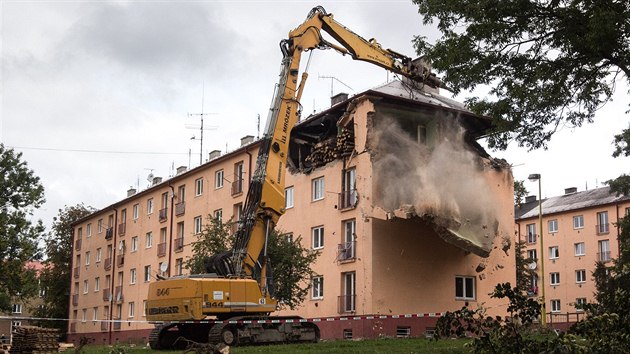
{"x": 170, "y": 236}
{"x": 111, "y": 285}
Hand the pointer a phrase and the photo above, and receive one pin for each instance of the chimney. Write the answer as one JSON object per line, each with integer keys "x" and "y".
{"x": 340, "y": 97}
{"x": 570, "y": 190}
{"x": 247, "y": 139}
{"x": 131, "y": 191}
{"x": 181, "y": 169}
{"x": 214, "y": 154}
{"x": 157, "y": 180}
{"x": 530, "y": 198}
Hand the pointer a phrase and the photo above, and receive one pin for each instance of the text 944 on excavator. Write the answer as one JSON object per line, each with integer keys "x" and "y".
{"x": 226, "y": 305}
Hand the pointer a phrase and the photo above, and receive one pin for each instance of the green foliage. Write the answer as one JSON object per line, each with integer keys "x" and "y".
{"x": 548, "y": 64}
{"x": 56, "y": 275}
{"x": 290, "y": 261}
{"x": 520, "y": 192}
{"x": 20, "y": 192}
{"x": 523, "y": 273}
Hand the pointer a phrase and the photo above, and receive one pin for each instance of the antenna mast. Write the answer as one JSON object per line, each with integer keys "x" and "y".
{"x": 203, "y": 93}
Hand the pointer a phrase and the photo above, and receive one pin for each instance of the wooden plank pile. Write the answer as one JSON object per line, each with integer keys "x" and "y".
{"x": 331, "y": 149}
{"x": 34, "y": 340}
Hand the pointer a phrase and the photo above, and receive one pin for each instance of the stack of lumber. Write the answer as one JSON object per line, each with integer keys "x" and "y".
{"x": 34, "y": 340}
{"x": 329, "y": 150}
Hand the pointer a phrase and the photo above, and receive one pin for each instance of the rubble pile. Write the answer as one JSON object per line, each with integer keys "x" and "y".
{"x": 331, "y": 149}
{"x": 34, "y": 340}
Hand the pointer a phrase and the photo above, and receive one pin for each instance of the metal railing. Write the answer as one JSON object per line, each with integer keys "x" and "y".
{"x": 120, "y": 260}
{"x": 346, "y": 303}
{"x": 107, "y": 294}
{"x": 531, "y": 238}
{"x": 122, "y": 228}
{"x": 118, "y": 294}
{"x": 117, "y": 325}
{"x": 108, "y": 264}
{"x": 77, "y": 244}
{"x": 104, "y": 325}
{"x": 109, "y": 233}
{"x": 180, "y": 208}
{"x": 179, "y": 244}
{"x": 163, "y": 214}
{"x": 348, "y": 199}
{"x": 604, "y": 256}
{"x": 73, "y": 327}
{"x": 161, "y": 249}
{"x": 76, "y": 272}
{"x": 237, "y": 186}
{"x": 602, "y": 229}
{"x": 346, "y": 251}
{"x": 75, "y": 299}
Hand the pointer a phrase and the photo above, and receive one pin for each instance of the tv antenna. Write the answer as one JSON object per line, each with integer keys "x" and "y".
{"x": 201, "y": 128}
{"x": 332, "y": 80}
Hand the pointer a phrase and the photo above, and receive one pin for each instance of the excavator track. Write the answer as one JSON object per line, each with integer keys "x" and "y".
{"x": 282, "y": 331}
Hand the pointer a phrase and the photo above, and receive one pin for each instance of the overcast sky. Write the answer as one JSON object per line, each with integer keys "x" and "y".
{"x": 98, "y": 94}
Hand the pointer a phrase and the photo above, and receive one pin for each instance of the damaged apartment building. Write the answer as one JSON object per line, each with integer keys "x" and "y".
{"x": 411, "y": 217}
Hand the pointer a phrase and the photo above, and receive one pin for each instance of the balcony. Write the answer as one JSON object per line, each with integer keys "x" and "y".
{"x": 73, "y": 328}
{"x": 120, "y": 260}
{"x": 348, "y": 199}
{"x": 179, "y": 244}
{"x": 346, "y": 251}
{"x": 347, "y": 304}
{"x": 76, "y": 272}
{"x": 108, "y": 264}
{"x": 122, "y": 228}
{"x": 107, "y": 294}
{"x": 104, "y": 325}
{"x": 237, "y": 187}
{"x": 161, "y": 249}
{"x": 602, "y": 229}
{"x": 75, "y": 299}
{"x": 109, "y": 233}
{"x": 604, "y": 256}
{"x": 180, "y": 208}
{"x": 163, "y": 214}
{"x": 77, "y": 245}
{"x": 118, "y": 294}
{"x": 117, "y": 325}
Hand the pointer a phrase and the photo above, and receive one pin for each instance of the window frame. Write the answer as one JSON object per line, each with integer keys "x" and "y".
{"x": 550, "y": 223}
{"x": 148, "y": 239}
{"x": 554, "y": 252}
{"x": 133, "y": 276}
{"x": 580, "y": 276}
{"x": 136, "y": 211}
{"x": 134, "y": 244}
{"x": 218, "y": 179}
{"x": 319, "y": 230}
{"x": 289, "y": 193}
{"x": 576, "y": 249}
{"x": 147, "y": 273}
{"x": 580, "y": 224}
{"x": 556, "y": 306}
{"x": 199, "y": 187}
{"x": 318, "y": 189}
{"x": 317, "y": 287}
{"x": 198, "y": 225}
{"x": 531, "y": 236}
{"x": 554, "y": 278}
{"x": 464, "y": 295}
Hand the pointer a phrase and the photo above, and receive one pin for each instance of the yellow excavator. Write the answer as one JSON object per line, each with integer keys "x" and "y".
{"x": 232, "y": 302}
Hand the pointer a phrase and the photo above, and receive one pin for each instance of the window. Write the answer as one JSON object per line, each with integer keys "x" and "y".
{"x": 318, "y": 237}
{"x": 289, "y": 236}
{"x": 84, "y": 318}
{"x": 579, "y": 304}
{"x": 218, "y": 179}
{"x": 239, "y": 171}
{"x": 464, "y": 288}
{"x": 348, "y": 197}
{"x": 580, "y": 249}
{"x": 144, "y": 308}
{"x": 604, "y": 250}
{"x": 134, "y": 244}
{"x": 97, "y": 284}
{"x": 238, "y": 211}
{"x": 147, "y": 273}
{"x": 288, "y": 197}
{"x": 95, "y": 314}
{"x": 578, "y": 222}
{"x": 179, "y": 266}
{"x": 348, "y": 292}
{"x": 555, "y": 278}
{"x": 555, "y": 305}
{"x": 150, "y": 206}
{"x": 602, "y": 223}
{"x": 88, "y": 229}
{"x": 100, "y": 225}
{"x": 318, "y": 287}
{"x": 218, "y": 215}
{"x": 16, "y": 308}
{"x": 553, "y": 226}
{"x": 132, "y": 276}
{"x": 86, "y": 286}
{"x": 580, "y": 276}
{"x": 318, "y": 189}
{"x": 99, "y": 254}
{"x": 531, "y": 233}
{"x": 148, "y": 241}
{"x": 136, "y": 211}
{"x": 198, "y": 187}
{"x": 132, "y": 309}
{"x": 80, "y": 233}
{"x": 531, "y": 254}
{"x": 346, "y": 248}
{"x": 198, "y": 225}
{"x": 554, "y": 252}
{"x": 87, "y": 258}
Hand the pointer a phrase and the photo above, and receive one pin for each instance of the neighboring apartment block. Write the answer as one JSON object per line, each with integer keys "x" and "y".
{"x": 579, "y": 229}
{"x": 409, "y": 213}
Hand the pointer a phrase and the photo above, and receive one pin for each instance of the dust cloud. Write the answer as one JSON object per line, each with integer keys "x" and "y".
{"x": 443, "y": 180}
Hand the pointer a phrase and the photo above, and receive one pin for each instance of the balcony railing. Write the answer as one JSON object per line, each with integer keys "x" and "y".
{"x": 117, "y": 325}
{"x": 348, "y": 199}
{"x": 77, "y": 245}
{"x": 602, "y": 229}
{"x": 104, "y": 325}
{"x": 108, "y": 264}
{"x": 161, "y": 249}
{"x": 118, "y": 294}
{"x": 109, "y": 233}
{"x": 120, "y": 260}
{"x": 163, "y": 214}
{"x": 122, "y": 228}
{"x": 604, "y": 256}
{"x": 237, "y": 187}
{"x": 347, "y": 303}
{"x": 531, "y": 238}
{"x": 179, "y": 244}
{"x": 346, "y": 251}
{"x": 75, "y": 299}
{"x": 73, "y": 327}
{"x": 76, "y": 272}
{"x": 107, "y": 294}
{"x": 180, "y": 208}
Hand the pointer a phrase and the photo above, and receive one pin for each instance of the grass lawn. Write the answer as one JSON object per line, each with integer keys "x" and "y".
{"x": 384, "y": 346}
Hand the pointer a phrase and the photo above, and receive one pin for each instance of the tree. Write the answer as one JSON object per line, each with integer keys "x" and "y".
{"x": 548, "y": 63}
{"x": 524, "y": 274}
{"x": 520, "y": 192}
{"x": 56, "y": 275}
{"x": 290, "y": 261}
{"x": 20, "y": 193}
